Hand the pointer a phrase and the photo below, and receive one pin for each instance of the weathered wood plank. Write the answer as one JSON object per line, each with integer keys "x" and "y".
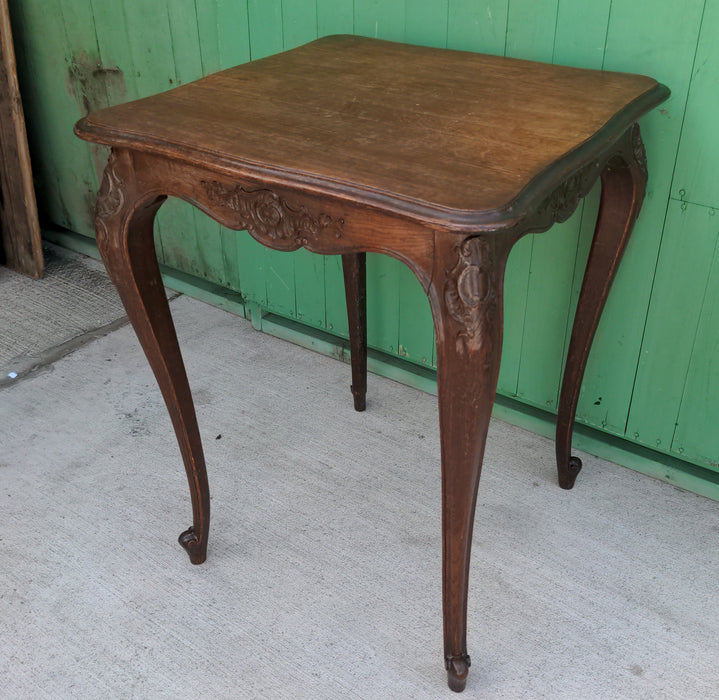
{"x": 581, "y": 33}
{"x": 638, "y": 40}
{"x": 696, "y": 178}
{"x": 696, "y": 437}
{"x": 335, "y": 305}
{"x": 415, "y": 326}
{"x": 309, "y": 274}
{"x": 477, "y": 25}
{"x": 553, "y": 282}
{"x": 299, "y": 22}
{"x": 381, "y": 19}
{"x": 531, "y": 26}
{"x": 686, "y": 254}
{"x": 335, "y": 17}
{"x": 19, "y": 226}
{"x": 233, "y": 33}
{"x": 383, "y": 302}
{"x": 426, "y": 22}
{"x": 549, "y": 292}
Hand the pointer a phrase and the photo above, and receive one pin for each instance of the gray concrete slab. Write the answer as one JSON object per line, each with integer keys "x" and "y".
{"x": 75, "y": 297}
{"x": 323, "y": 575}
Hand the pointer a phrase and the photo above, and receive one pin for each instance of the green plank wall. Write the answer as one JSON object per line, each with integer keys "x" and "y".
{"x": 653, "y": 376}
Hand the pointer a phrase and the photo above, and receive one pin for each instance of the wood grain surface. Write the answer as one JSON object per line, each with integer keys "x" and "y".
{"x": 408, "y": 138}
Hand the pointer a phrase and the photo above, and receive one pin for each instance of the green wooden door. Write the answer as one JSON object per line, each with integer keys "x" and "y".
{"x": 653, "y": 376}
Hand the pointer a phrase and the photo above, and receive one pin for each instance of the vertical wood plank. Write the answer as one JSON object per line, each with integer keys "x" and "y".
{"x": 299, "y": 22}
{"x": 415, "y": 326}
{"x": 309, "y": 275}
{"x": 335, "y": 304}
{"x": 686, "y": 254}
{"x": 251, "y": 265}
{"x": 335, "y": 17}
{"x": 280, "y": 282}
{"x": 580, "y": 38}
{"x": 383, "y": 302}
{"x": 265, "y": 23}
{"x": 531, "y": 25}
{"x": 183, "y": 22}
{"x": 581, "y": 33}
{"x": 111, "y": 32}
{"x": 150, "y": 46}
{"x": 38, "y": 86}
{"x": 640, "y": 40}
{"x": 477, "y": 25}
{"x": 21, "y": 247}
{"x": 381, "y": 19}
{"x": 548, "y": 297}
{"x": 516, "y": 285}
{"x": 696, "y": 436}
{"x": 207, "y": 35}
{"x": 552, "y": 283}
{"x": 233, "y": 33}
{"x": 75, "y": 170}
{"x": 426, "y": 22}
{"x": 696, "y": 178}
{"x": 208, "y": 241}
{"x": 176, "y": 228}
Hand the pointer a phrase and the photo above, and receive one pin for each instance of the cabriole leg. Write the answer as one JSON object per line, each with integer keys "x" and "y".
{"x": 467, "y": 309}
{"x": 124, "y": 224}
{"x": 623, "y": 184}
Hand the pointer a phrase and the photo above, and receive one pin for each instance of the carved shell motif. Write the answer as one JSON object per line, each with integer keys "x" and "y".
{"x": 110, "y": 198}
{"x": 270, "y": 217}
{"x": 469, "y": 293}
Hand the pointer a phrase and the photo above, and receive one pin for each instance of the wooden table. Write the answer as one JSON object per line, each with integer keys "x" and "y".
{"x": 441, "y": 159}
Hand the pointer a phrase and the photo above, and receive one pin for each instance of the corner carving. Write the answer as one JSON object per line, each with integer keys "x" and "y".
{"x": 640, "y": 155}
{"x": 470, "y": 294}
{"x": 110, "y": 198}
{"x": 563, "y": 201}
{"x": 269, "y": 217}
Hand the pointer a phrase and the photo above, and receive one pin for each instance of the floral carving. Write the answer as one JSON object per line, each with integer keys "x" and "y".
{"x": 640, "y": 155}
{"x": 270, "y": 217}
{"x": 470, "y": 294}
{"x": 560, "y": 205}
{"x": 111, "y": 197}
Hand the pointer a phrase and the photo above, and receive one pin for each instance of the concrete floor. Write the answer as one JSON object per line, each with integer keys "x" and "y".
{"x": 323, "y": 574}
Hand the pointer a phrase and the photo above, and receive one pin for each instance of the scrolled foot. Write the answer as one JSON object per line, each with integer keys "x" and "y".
{"x": 192, "y": 545}
{"x": 569, "y": 476}
{"x": 457, "y": 670}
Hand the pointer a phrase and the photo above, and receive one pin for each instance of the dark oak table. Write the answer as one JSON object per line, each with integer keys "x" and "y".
{"x": 441, "y": 159}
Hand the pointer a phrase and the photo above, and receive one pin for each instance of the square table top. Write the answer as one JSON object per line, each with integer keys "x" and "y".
{"x": 423, "y": 131}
